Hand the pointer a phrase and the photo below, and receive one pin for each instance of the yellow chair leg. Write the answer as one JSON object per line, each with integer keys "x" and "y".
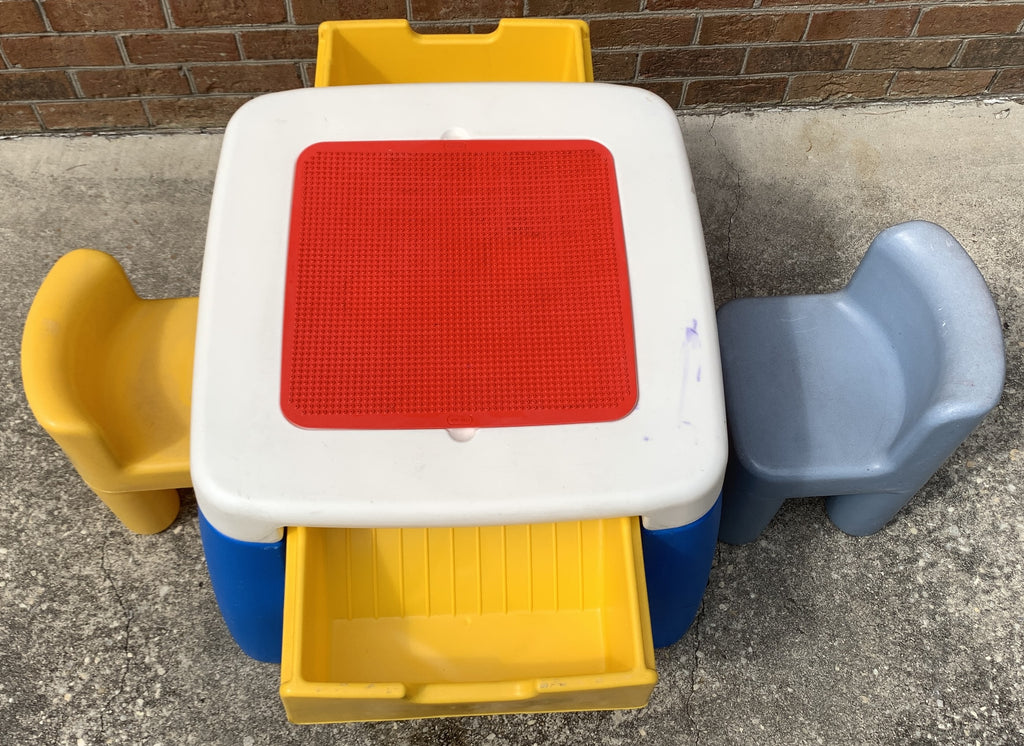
{"x": 147, "y": 512}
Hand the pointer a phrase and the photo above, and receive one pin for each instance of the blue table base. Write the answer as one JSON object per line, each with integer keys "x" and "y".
{"x": 248, "y": 581}
{"x": 677, "y": 563}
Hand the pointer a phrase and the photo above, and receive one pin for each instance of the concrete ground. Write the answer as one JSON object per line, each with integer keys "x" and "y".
{"x": 807, "y": 636}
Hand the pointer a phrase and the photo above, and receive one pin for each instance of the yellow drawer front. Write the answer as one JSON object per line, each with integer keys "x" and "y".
{"x": 389, "y": 51}
{"x": 383, "y": 624}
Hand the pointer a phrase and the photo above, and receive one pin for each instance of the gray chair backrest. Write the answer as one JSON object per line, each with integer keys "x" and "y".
{"x": 919, "y": 284}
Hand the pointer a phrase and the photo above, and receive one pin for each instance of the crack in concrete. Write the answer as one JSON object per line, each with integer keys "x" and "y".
{"x": 695, "y": 667}
{"x": 126, "y": 668}
{"x": 735, "y": 205}
{"x": 693, "y": 677}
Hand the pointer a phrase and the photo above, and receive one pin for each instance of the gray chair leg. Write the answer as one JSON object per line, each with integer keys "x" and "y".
{"x": 744, "y": 517}
{"x": 863, "y": 515}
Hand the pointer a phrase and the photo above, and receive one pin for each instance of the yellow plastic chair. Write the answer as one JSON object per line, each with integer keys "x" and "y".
{"x": 389, "y": 51}
{"x": 109, "y": 377}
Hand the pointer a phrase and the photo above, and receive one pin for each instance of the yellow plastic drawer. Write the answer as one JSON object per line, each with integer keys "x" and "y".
{"x": 389, "y": 51}
{"x": 383, "y": 624}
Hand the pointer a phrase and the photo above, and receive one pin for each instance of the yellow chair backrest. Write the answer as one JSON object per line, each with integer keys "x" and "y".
{"x": 109, "y": 375}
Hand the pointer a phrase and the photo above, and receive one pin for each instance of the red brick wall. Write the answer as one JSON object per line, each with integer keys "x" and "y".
{"x": 131, "y": 64}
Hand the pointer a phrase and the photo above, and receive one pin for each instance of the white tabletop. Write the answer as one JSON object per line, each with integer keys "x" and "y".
{"x": 255, "y": 472}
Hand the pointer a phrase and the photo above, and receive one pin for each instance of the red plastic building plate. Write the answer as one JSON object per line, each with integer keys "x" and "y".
{"x": 456, "y": 283}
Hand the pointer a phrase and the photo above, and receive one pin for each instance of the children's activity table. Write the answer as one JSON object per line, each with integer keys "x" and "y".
{"x": 435, "y": 309}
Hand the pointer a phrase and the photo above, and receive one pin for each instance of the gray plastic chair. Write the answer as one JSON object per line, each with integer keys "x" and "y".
{"x": 862, "y": 394}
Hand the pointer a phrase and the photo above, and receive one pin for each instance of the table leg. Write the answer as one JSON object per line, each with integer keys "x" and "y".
{"x": 248, "y": 581}
{"x": 677, "y": 563}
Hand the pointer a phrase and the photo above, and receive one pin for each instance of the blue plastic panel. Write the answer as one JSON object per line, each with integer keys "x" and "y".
{"x": 677, "y": 563}
{"x": 248, "y": 581}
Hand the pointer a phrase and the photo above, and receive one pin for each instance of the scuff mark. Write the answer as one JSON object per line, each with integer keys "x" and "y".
{"x": 692, "y": 367}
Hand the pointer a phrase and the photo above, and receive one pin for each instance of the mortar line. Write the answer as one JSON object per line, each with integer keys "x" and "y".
{"x": 42, "y": 13}
{"x": 853, "y": 53}
{"x": 892, "y": 82}
{"x": 122, "y": 50}
{"x": 917, "y": 23}
{"x": 34, "y": 106}
{"x": 992, "y": 80}
{"x": 958, "y": 57}
{"x": 166, "y": 10}
{"x": 75, "y": 85}
{"x": 187, "y": 71}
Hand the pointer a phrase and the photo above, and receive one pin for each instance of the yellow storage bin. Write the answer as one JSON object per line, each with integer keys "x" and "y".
{"x": 520, "y": 49}
{"x": 383, "y": 624}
